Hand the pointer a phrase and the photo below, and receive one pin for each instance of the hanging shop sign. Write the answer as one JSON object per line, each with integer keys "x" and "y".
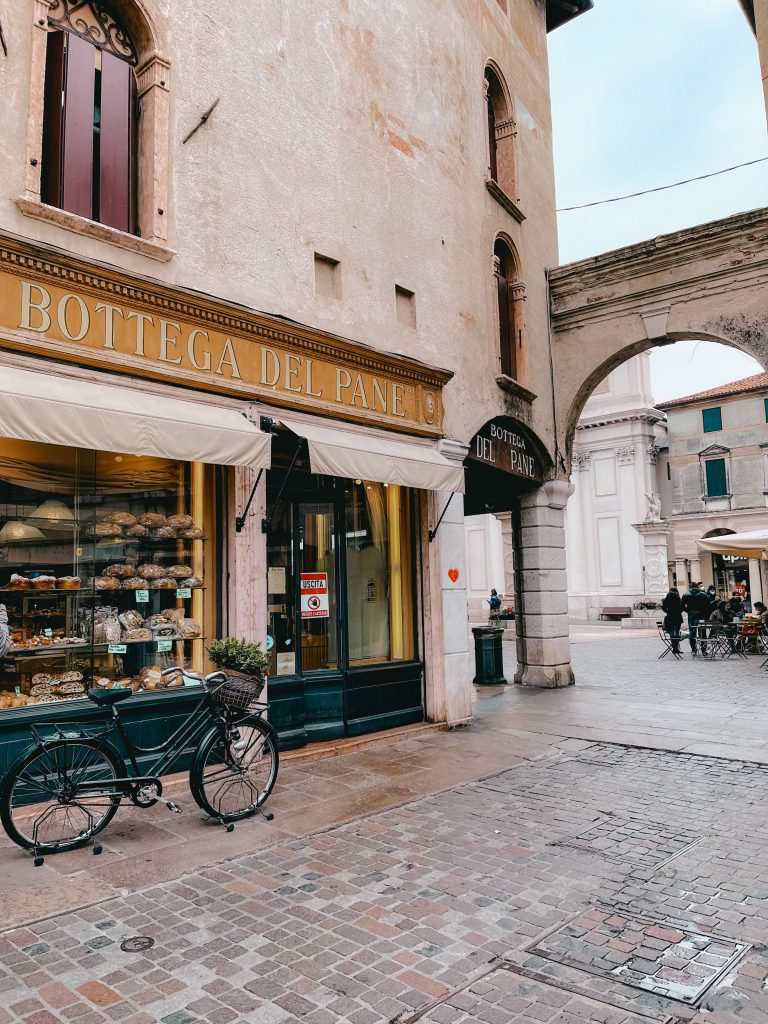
{"x": 313, "y": 588}
{"x": 58, "y": 305}
{"x": 508, "y": 446}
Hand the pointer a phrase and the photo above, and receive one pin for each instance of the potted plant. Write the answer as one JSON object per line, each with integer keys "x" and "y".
{"x": 239, "y": 659}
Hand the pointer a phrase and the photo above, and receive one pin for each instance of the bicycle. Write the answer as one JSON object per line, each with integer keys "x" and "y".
{"x": 64, "y": 788}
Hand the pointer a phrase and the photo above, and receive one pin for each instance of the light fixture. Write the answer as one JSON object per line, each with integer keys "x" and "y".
{"x": 53, "y": 515}
{"x": 15, "y": 530}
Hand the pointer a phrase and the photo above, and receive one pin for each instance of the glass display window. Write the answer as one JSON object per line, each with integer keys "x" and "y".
{"x": 105, "y": 570}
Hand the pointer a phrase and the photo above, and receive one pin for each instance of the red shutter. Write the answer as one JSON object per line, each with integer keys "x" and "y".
{"x": 50, "y": 177}
{"x": 505, "y": 341}
{"x": 115, "y": 142}
{"x": 77, "y": 184}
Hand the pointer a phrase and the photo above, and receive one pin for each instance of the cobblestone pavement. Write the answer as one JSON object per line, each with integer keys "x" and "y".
{"x": 606, "y": 884}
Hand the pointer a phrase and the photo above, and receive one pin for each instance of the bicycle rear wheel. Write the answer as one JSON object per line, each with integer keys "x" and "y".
{"x": 42, "y": 804}
{"x": 235, "y": 769}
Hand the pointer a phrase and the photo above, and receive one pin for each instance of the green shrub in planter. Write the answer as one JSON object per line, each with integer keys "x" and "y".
{"x": 238, "y": 655}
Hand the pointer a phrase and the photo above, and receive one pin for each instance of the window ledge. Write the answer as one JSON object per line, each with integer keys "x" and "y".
{"x": 83, "y": 226}
{"x": 511, "y": 386}
{"x": 501, "y": 197}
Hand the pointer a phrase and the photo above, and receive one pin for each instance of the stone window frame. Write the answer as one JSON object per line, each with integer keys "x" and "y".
{"x": 503, "y": 186}
{"x": 715, "y": 502}
{"x": 514, "y": 385}
{"x": 153, "y": 94}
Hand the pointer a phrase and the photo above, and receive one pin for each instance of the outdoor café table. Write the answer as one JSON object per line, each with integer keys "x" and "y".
{"x": 717, "y": 641}
{"x": 748, "y": 634}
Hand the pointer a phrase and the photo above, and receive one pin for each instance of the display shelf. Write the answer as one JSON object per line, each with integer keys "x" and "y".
{"x": 86, "y": 648}
{"x": 90, "y": 591}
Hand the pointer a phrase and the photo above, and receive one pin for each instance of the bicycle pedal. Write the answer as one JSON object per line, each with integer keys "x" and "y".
{"x": 172, "y": 806}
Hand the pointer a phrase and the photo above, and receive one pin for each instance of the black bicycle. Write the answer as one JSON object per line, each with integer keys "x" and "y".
{"x": 67, "y": 785}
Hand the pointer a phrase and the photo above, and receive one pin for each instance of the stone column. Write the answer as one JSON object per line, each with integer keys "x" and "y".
{"x": 448, "y": 668}
{"x": 681, "y": 575}
{"x": 655, "y": 570}
{"x": 543, "y": 647}
{"x": 696, "y": 571}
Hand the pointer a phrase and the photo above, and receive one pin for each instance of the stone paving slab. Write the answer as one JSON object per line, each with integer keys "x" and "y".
{"x": 411, "y": 913}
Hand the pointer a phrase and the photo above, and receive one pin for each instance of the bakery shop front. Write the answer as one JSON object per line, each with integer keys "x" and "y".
{"x": 174, "y": 468}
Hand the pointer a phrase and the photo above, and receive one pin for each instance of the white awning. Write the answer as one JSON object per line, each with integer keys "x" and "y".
{"x": 375, "y": 455}
{"x": 753, "y": 544}
{"x": 42, "y": 406}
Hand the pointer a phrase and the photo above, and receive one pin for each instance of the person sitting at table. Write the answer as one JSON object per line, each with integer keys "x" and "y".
{"x": 762, "y": 612}
{"x": 722, "y": 616}
{"x": 736, "y": 603}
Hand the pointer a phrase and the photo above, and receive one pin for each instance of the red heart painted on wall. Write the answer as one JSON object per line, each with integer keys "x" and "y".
{"x": 453, "y": 575}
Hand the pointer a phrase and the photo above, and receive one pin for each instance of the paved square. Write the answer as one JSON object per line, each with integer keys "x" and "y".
{"x": 639, "y": 842}
{"x": 645, "y": 953}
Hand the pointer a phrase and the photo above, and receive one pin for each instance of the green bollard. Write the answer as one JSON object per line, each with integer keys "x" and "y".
{"x": 489, "y": 662}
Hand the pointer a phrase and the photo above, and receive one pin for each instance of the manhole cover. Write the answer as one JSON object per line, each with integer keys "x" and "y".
{"x": 137, "y": 944}
{"x": 646, "y": 844}
{"x": 658, "y": 957}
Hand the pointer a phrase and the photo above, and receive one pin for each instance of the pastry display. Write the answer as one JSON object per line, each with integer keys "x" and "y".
{"x": 163, "y": 533}
{"x": 17, "y": 582}
{"x": 134, "y": 635}
{"x": 105, "y": 583}
{"x": 104, "y": 530}
{"x": 137, "y": 531}
{"x": 70, "y": 689}
{"x": 151, "y": 571}
{"x": 165, "y": 583}
{"x": 43, "y": 582}
{"x": 68, "y": 583}
{"x": 191, "y": 581}
{"x": 71, "y": 677}
{"x": 134, "y": 583}
{"x": 152, "y": 520}
{"x": 119, "y": 570}
{"x": 179, "y": 571}
{"x": 188, "y": 629}
{"x": 41, "y": 679}
{"x": 131, "y": 619}
{"x": 174, "y": 614}
{"x": 40, "y": 690}
{"x": 180, "y": 522}
{"x": 193, "y": 533}
{"x": 120, "y": 518}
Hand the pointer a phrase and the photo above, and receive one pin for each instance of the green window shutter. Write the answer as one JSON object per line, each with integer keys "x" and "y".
{"x": 716, "y": 482}
{"x": 712, "y": 419}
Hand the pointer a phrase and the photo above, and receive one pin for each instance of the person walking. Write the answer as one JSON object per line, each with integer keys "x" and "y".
{"x": 697, "y": 607}
{"x": 494, "y": 602}
{"x": 673, "y": 617}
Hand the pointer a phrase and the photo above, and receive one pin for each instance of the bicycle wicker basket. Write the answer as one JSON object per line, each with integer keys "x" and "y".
{"x": 239, "y": 692}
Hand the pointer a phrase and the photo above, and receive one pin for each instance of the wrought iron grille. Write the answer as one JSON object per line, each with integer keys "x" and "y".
{"x": 95, "y": 22}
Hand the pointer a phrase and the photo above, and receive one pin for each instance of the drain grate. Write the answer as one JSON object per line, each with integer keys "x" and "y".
{"x": 137, "y": 944}
{"x": 643, "y": 844}
{"x": 655, "y": 956}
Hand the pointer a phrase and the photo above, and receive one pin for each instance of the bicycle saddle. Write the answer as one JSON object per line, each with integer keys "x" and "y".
{"x": 104, "y": 696}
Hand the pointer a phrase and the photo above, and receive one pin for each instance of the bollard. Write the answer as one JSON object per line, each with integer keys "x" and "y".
{"x": 489, "y": 663}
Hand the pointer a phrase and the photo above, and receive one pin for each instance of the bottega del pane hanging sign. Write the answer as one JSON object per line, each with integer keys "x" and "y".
{"x": 57, "y": 305}
{"x": 509, "y": 448}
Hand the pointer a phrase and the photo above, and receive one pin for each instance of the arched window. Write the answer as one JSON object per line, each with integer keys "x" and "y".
{"x": 89, "y": 164}
{"x": 511, "y": 297}
{"x": 501, "y": 137}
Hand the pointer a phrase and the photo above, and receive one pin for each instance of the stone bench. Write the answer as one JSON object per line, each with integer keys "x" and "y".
{"x": 615, "y": 613}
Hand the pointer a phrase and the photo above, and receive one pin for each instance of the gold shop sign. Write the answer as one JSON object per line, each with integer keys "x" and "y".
{"x": 59, "y": 306}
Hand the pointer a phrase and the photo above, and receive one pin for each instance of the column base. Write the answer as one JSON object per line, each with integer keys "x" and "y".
{"x": 546, "y": 677}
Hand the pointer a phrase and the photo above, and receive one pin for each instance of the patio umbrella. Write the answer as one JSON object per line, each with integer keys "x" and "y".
{"x": 753, "y": 544}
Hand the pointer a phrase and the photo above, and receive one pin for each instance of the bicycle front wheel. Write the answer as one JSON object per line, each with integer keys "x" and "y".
{"x": 235, "y": 769}
{"x": 57, "y": 797}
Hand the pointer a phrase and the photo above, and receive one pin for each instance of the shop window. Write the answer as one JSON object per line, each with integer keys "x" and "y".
{"x": 716, "y": 478}
{"x": 106, "y": 570}
{"x": 765, "y": 405}
{"x": 511, "y": 296}
{"x": 712, "y": 419}
{"x": 90, "y": 114}
{"x": 379, "y": 585}
{"x": 501, "y": 138}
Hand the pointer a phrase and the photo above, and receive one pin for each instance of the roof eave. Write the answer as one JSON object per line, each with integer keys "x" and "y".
{"x": 748, "y": 6}
{"x": 561, "y": 11}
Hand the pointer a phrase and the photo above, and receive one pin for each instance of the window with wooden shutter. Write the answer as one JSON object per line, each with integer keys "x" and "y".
{"x": 508, "y": 328}
{"x": 89, "y": 152}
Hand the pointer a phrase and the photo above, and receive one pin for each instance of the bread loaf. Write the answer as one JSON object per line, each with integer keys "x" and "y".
{"x": 151, "y": 520}
{"x": 150, "y": 571}
{"x": 43, "y": 582}
{"x": 163, "y": 533}
{"x": 181, "y": 522}
{"x": 120, "y": 570}
{"x": 137, "y": 531}
{"x": 121, "y": 518}
{"x": 134, "y": 583}
{"x": 17, "y": 582}
{"x": 193, "y": 533}
{"x": 192, "y": 582}
{"x": 179, "y": 572}
{"x": 165, "y": 583}
{"x": 106, "y": 583}
{"x": 68, "y": 583}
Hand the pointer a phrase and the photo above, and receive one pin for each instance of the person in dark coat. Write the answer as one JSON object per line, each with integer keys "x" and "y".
{"x": 673, "y": 616}
{"x": 697, "y": 607}
{"x": 736, "y": 604}
{"x": 723, "y": 617}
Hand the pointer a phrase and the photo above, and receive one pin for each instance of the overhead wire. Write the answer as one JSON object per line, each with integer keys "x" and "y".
{"x": 662, "y": 188}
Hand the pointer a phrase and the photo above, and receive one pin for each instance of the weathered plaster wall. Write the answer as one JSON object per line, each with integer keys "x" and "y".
{"x": 357, "y": 132}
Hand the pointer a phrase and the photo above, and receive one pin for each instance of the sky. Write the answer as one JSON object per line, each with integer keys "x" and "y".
{"x": 645, "y": 94}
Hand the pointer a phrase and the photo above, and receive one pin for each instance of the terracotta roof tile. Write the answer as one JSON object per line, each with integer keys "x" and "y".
{"x": 759, "y": 382}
